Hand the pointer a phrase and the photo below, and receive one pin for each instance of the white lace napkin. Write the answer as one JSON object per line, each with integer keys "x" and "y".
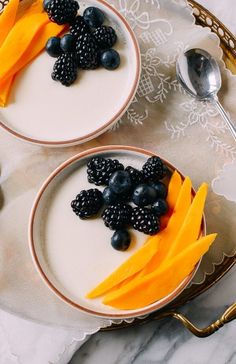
{"x": 26, "y": 342}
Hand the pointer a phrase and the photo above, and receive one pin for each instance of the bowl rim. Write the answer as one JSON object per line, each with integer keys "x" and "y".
{"x": 115, "y": 117}
{"x": 133, "y": 313}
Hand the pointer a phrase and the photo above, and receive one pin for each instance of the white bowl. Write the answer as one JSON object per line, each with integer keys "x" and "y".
{"x": 73, "y": 255}
{"x": 43, "y": 111}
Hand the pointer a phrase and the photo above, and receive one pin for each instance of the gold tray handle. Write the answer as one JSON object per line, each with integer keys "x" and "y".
{"x": 228, "y": 315}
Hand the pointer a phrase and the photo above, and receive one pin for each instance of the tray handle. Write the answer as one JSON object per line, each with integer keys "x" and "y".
{"x": 228, "y": 315}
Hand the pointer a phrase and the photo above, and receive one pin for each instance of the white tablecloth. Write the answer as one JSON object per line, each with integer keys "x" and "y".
{"x": 29, "y": 343}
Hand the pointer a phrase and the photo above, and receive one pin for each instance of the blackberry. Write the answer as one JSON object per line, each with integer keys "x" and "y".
{"x": 117, "y": 216}
{"x": 105, "y": 37}
{"x": 135, "y": 175}
{"x": 154, "y": 169}
{"x": 61, "y": 11}
{"x": 87, "y": 203}
{"x": 87, "y": 52}
{"x": 79, "y": 27}
{"x": 65, "y": 69}
{"x": 100, "y": 170}
{"x": 145, "y": 221}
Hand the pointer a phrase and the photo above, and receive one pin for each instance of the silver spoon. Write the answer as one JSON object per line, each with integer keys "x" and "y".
{"x": 199, "y": 74}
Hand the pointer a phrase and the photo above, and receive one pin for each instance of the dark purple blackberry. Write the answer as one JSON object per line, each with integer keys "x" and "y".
{"x": 105, "y": 37}
{"x": 145, "y": 221}
{"x": 87, "y": 203}
{"x": 61, "y": 11}
{"x": 65, "y": 69}
{"x": 100, "y": 170}
{"x": 87, "y": 52}
{"x": 117, "y": 216}
{"x": 79, "y": 27}
{"x": 135, "y": 175}
{"x": 154, "y": 169}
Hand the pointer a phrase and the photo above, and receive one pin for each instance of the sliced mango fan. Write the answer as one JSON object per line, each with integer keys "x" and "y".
{"x": 161, "y": 264}
{"x": 30, "y": 30}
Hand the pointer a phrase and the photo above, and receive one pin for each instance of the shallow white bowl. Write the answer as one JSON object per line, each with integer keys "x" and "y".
{"x": 43, "y": 111}
{"x": 74, "y": 255}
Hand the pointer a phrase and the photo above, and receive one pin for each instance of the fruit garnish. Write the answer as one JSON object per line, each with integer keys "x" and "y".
{"x": 120, "y": 240}
{"x": 144, "y": 195}
{"x": 93, "y": 16}
{"x": 7, "y": 19}
{"x": 117, "y": 216}
{"x": 21, "y": 34}
{"x": 100, "y": 170}
{"x": 53, "y": 47}
{"x": 79, "y": 27}
{"x": 120, "y": 182}
{"x": 105, "y": 37}
{"x": 153, "y": 169}
{"x": 68, "y": 43}
{"x": 87, "y": 203}
{"x": 189, "y": 231}
{"x": 160, "y": 189}
{"x": 65, "y": 69}
{"x": 110, "y": 59}
{"x": 145, "y": 221}
{"x": 61, "y": 11}
{"x": 135, "y": 175}
{"x": 87, "y": 52}
{"x": 140, "y": 259}
{"x": 162, "y": 281}
{"x": 33, "y": 50}
{"x": 160, "y": 207}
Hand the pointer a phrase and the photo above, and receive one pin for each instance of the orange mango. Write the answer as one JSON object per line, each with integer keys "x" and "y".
{"x": 160, "y": 283}
{"x": 5, "y": 91}
{"x": 18, "y": 41}
{"x": 49, "y": 30}
{"x": 140, "y": 259}
{"x": 174, "y": 189}
{"x": 7, "y": 19}
{"x": 190, "y": 229}
{"x": 175, "y": 223}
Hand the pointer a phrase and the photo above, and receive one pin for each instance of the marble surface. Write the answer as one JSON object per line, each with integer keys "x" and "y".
{"x": 167, "y": 342}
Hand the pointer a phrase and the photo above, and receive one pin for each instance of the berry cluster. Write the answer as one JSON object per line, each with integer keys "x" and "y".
{"x": 87, "y": 45}
{"x": 125, "y": 187}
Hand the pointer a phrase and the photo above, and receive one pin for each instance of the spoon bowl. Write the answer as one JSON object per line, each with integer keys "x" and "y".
{"x": 199, "y": 74}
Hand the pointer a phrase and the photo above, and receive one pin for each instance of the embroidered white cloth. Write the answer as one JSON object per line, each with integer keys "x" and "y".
{"x": 27, "y": 342}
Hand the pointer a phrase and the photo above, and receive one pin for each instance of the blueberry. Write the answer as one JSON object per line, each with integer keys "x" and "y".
{"x": 53, "y": 47}
{"x": 160, "y": 207}
{"x": 68, "y": 43}
{"x": 121, "y": 240}
{"x": 94, "y": 17}
{"x": 144, "y": 195}
{"x": 120, "y": 182}
{"x": 110, "y": 59}
{"x": 45, "y": 4}
{"x": 160, "y": 188}
{"x": 109, "y": 196}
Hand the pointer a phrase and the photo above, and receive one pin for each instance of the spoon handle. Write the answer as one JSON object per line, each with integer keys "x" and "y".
{"x": 225, "y": 116}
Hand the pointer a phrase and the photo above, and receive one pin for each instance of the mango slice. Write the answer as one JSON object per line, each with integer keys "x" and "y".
{"x": 5, "y": 91}
{"x": 143, "y": 255}
{"x": 176, "y": 221}
{"x": 49, "y": 30}
{"x": 174, "y": 189}
{"x": 190, "y": 229}
{"x": 162, "y": 281}
{"x": 172, "y": 195}
{"x": 7, "y": 19}
{"x": 19, "y": 38}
